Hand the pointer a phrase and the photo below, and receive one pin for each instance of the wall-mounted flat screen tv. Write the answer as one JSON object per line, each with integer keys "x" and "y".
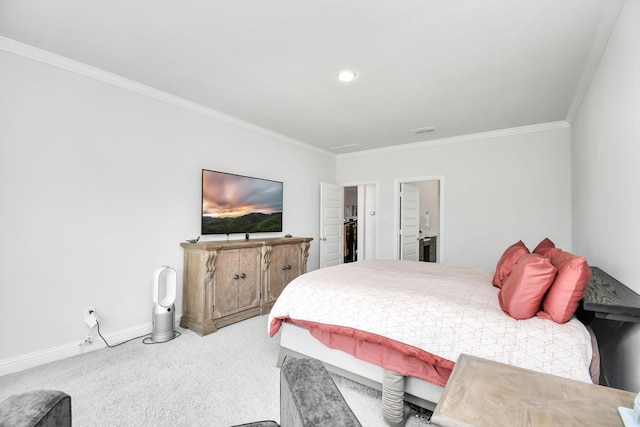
{"x": 240, "y": 204}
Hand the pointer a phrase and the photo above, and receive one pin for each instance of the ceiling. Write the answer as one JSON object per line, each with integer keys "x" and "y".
{"x": 463, "y": 66}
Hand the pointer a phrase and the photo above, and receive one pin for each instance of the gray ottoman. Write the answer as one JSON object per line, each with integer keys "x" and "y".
{"x": 37, "y": 408}
{"x": 310, "y": 398}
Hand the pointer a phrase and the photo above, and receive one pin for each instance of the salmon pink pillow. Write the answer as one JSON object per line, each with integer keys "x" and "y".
{"x": 507, "y": 261}
{"x": 567, "y": 290}
{"x": 549, "y": 252}
{"x": 545, "y": 248}
{"x": 522, "y": 291}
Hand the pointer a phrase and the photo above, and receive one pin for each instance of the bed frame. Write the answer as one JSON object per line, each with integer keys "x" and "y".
{"x": 605, "y": 298}
{"x": 296, "y": 341}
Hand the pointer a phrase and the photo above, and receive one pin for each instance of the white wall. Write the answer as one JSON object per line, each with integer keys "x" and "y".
{"x": 606, "y": 186}
{"x": 497, "y": 188}
{"x": 606, "y": 156}
{"x": 99, "y": 185}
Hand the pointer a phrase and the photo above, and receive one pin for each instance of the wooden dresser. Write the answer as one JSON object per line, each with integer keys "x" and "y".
{"x": 225, "y": 282}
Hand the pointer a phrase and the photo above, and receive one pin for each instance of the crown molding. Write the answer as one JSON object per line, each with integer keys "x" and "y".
{"x": 563, "y": 124}
{"x": 61, "y": 62}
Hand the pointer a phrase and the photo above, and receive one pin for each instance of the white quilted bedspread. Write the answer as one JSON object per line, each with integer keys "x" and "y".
{"x": 441, "y": 309}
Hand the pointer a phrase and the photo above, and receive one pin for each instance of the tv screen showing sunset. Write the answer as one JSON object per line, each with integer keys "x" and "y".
{"x": 240, "y": 204}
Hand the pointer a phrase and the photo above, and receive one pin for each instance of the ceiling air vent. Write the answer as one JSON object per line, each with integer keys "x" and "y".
{"x": 348, "y": 147}
{"x": 418, "y": 131}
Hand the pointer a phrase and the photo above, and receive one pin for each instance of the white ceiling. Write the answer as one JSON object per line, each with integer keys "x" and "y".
{"x": 464, "y": 66}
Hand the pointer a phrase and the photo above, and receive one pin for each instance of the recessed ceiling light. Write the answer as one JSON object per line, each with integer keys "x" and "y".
{"x": 346, "y": 75}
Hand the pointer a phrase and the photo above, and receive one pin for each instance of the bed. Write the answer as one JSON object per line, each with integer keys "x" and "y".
{"x": 368, "y": 318}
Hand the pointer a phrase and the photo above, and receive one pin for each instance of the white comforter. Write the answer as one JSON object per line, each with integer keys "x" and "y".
{"x": 441, "y": 309}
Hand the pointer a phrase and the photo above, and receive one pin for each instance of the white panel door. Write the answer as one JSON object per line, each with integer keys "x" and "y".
{"x": 331, "y": 224}
{"x": 409, "y": 222}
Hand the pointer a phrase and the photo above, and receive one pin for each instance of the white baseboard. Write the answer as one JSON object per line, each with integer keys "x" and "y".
{"x": 31, "y": 360}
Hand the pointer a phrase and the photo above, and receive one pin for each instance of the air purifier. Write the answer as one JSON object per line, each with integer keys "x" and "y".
{"x": 164, "y": 297}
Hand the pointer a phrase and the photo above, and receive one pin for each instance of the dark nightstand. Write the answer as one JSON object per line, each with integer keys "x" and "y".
{"x": 607, "y": 298}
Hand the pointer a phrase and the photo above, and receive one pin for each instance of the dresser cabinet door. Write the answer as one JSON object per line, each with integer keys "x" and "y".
{"x": 285, "y": 265}
{"x": 236, "y": 285}
{"x": 249, "y": 282}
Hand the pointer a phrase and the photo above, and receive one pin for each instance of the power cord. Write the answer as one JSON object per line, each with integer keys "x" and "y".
{"x": 176, "y": 334}
{"x": 144, "y": 341}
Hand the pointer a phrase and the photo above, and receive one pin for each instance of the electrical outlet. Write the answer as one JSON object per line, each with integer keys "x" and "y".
{"x": 87, "y": 312}
{"x": 89, "y": 316}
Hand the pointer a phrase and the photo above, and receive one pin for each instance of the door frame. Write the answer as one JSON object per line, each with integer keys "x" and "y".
{"x": 396, "y": 223}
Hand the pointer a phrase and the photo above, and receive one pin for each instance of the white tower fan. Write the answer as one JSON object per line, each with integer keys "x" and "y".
{"x": 164, "y": 283}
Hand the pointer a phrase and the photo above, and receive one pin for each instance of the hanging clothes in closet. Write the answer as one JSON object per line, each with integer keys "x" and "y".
{"x": 350, "y": 241}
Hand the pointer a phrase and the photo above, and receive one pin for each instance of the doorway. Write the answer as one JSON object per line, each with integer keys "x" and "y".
{"x": 419, "y": 219}
{"x": 360, "y": 222}
{"x": 348, "y": 223}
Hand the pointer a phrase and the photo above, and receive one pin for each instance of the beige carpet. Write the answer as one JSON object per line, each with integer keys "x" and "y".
{"x": 225, "y": 378}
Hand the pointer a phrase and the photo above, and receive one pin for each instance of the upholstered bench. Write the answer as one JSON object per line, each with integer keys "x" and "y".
{"x": 309, "y": 398}
{"x": 37, "y": 408}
